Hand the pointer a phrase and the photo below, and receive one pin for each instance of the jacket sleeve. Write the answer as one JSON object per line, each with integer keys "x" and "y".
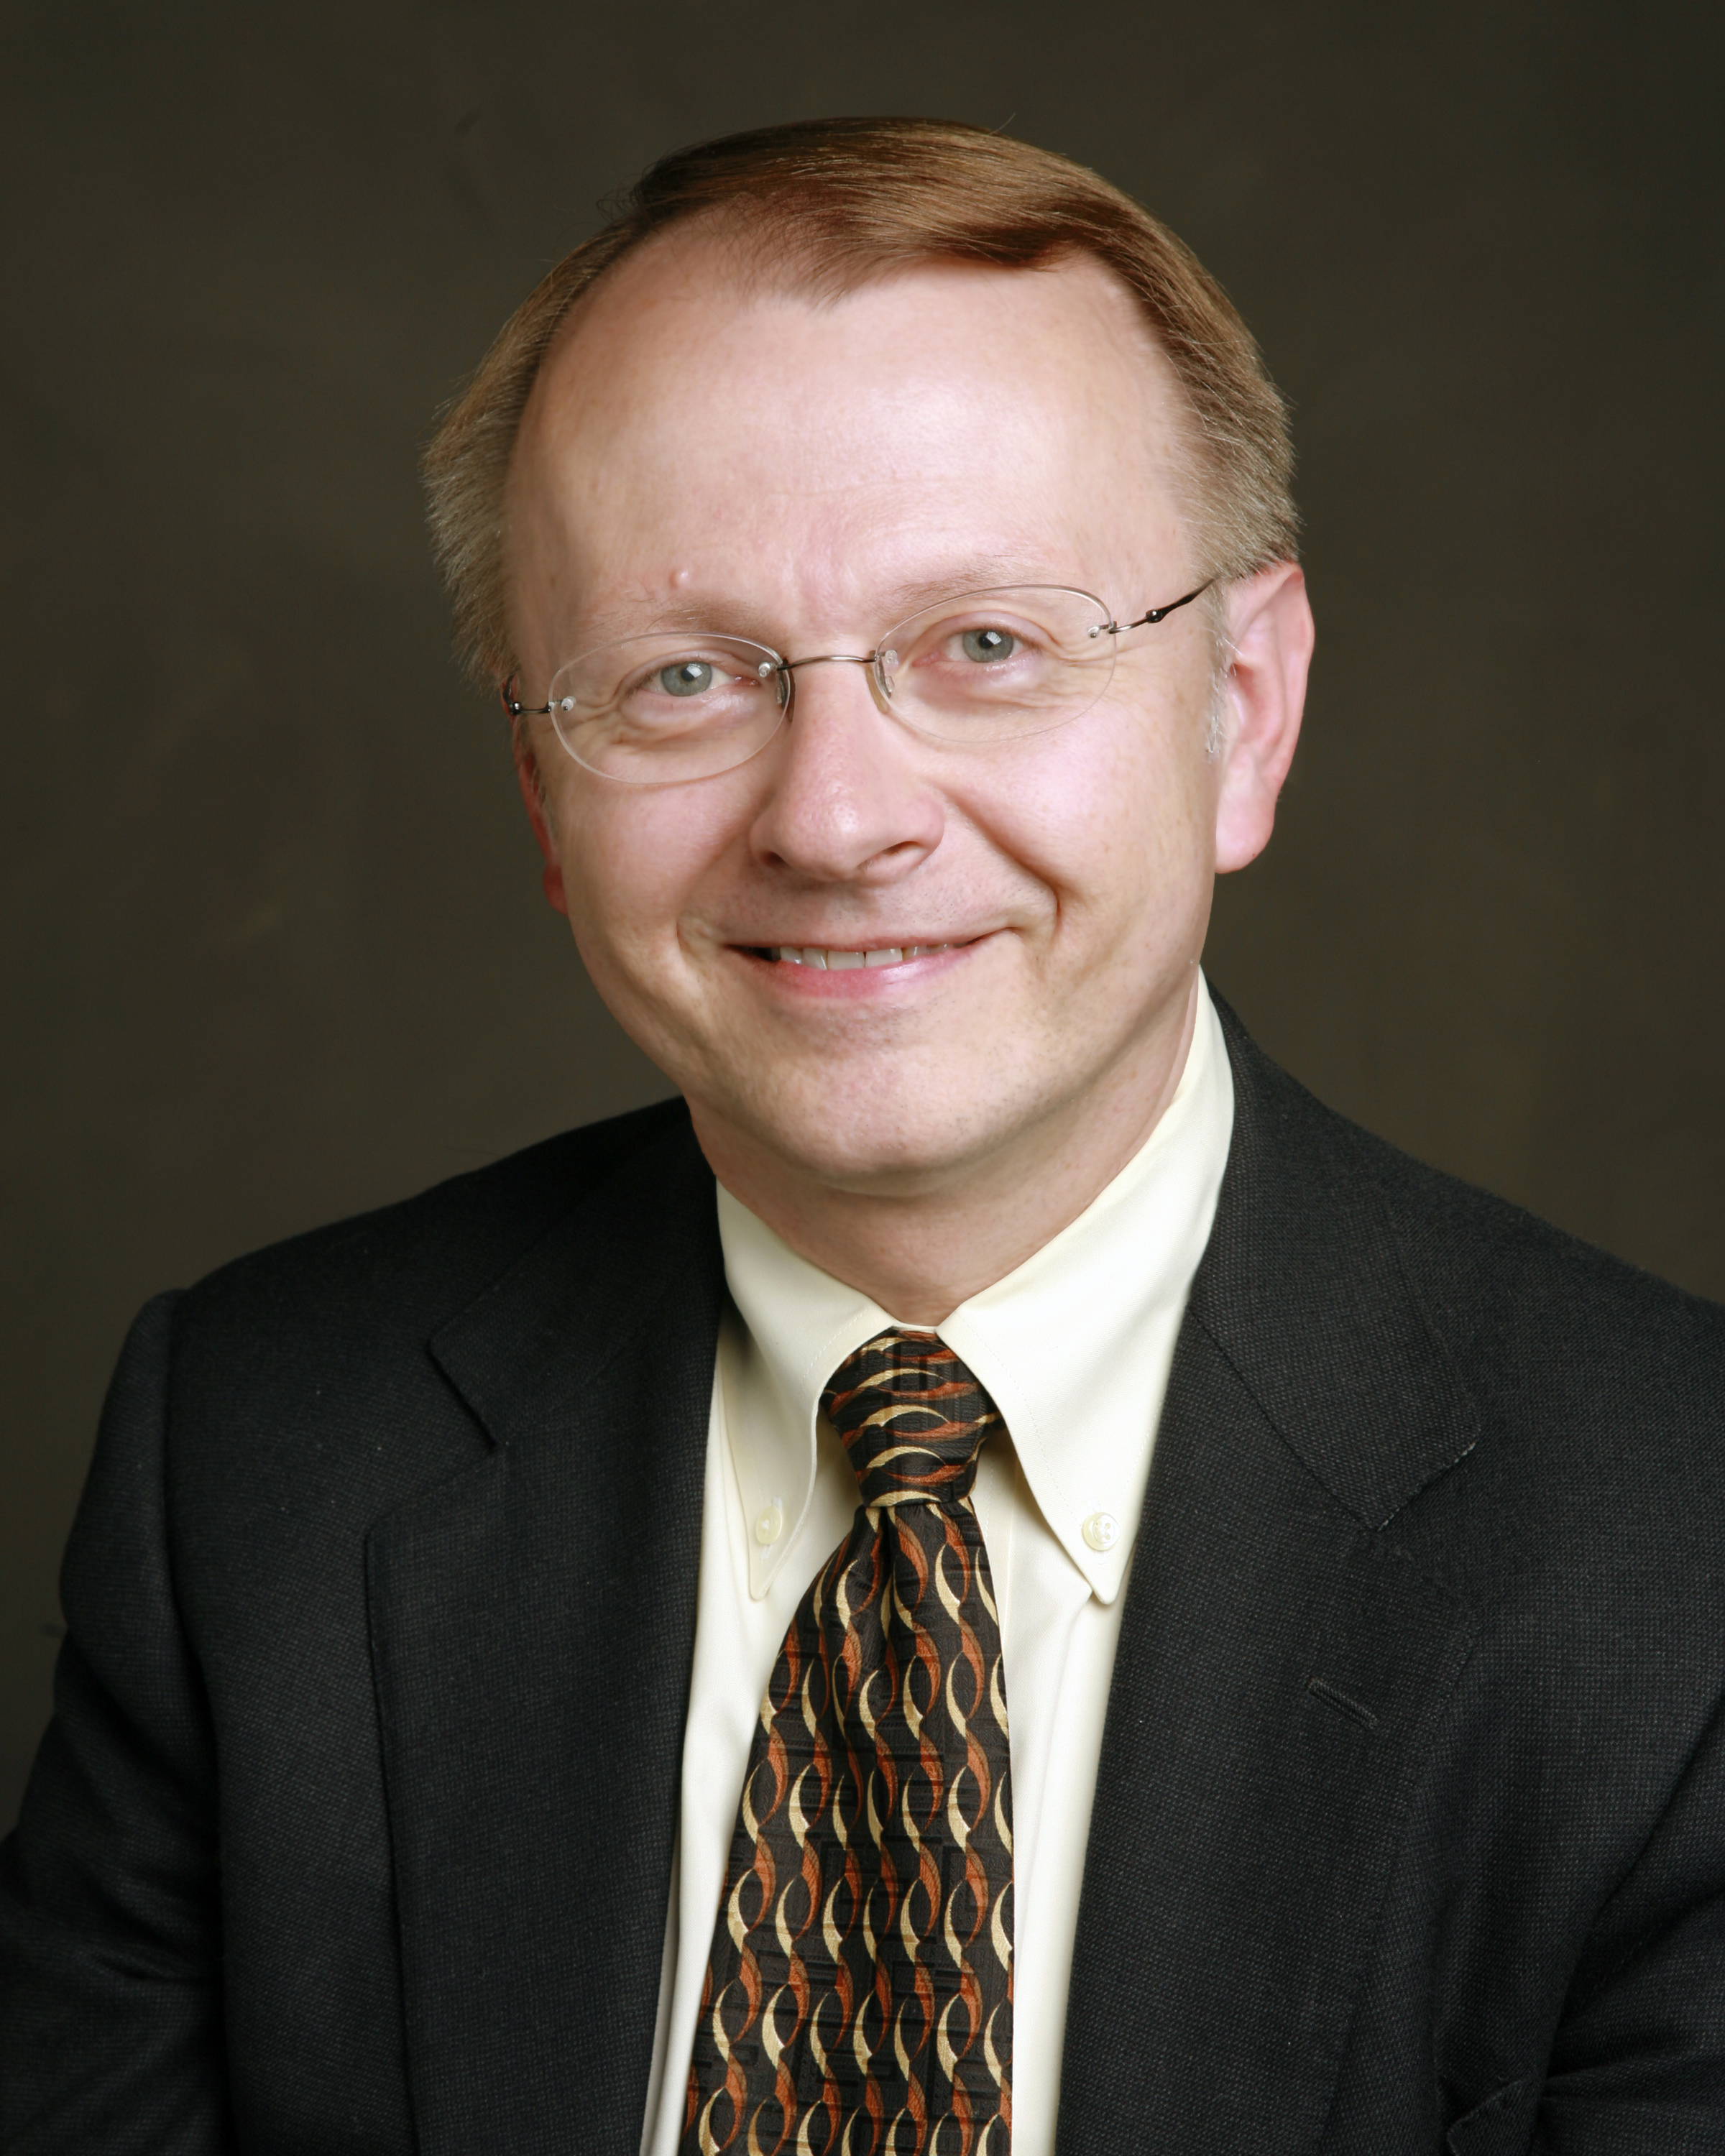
{"x": 110, "y": 1957}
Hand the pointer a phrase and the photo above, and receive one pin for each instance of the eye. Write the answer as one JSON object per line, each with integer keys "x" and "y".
{"x": 988, "y": 644}
{"x": 689, "y": 677}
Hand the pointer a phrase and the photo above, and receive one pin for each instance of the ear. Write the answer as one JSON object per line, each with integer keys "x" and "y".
{"x": 526, "y": 772}
{"x": 1271, "y": 629}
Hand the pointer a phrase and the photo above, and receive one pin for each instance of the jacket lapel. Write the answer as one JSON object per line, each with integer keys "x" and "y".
{"x": 1282, "y": 1669}
{"x": 532, "y": 1626}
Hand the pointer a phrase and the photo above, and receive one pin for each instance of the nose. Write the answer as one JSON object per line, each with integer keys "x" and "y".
{"x": 846, "y": 800}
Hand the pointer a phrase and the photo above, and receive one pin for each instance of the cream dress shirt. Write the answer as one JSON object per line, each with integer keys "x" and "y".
{"x": 1074, "y": 1346}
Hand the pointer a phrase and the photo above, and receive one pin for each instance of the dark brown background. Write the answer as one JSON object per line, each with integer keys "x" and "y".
{"x": 273, "y": 947}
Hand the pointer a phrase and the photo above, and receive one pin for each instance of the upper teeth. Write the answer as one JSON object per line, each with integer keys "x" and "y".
{"x": 817, "y": 955}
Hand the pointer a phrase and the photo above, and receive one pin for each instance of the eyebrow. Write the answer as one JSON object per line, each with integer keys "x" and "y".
{"x": 729, "y": 614}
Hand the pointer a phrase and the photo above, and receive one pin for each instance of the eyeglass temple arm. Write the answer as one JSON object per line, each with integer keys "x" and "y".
{"x": 1160, "y": 613}
{"x": 514, "y": 706}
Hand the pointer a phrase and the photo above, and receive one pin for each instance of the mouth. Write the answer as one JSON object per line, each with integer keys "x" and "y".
{"x": 827, "y": 958}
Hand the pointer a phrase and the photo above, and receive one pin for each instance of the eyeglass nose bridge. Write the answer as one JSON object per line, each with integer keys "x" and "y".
{"x": 877, "y": 663}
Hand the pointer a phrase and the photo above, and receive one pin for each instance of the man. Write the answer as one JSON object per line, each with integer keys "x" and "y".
{"x": 1268, "y": 1696}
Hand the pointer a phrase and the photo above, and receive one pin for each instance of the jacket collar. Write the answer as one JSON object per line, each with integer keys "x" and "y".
{"x": 1303, "y": 1289}
{"x": 621, "y": 1268}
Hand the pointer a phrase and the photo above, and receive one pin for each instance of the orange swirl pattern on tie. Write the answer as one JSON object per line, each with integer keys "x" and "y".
{"x": 858, "y": 1999}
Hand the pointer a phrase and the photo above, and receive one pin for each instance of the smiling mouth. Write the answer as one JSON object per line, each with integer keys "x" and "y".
{"x": 829, "y": 960}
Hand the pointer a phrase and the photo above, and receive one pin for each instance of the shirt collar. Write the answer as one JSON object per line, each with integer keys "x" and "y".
{"x": 1074, "y": 1344}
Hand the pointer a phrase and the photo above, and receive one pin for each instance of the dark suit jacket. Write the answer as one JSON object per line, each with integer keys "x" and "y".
{"x": 352, "y": 1831}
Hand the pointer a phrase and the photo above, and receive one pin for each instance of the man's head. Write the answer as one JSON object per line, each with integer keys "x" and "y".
{"x": 812, "y": 381}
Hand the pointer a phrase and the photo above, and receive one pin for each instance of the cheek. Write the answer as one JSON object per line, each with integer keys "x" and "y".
{"x": 634, "y": 859}
{"x": 1114, "y": 816}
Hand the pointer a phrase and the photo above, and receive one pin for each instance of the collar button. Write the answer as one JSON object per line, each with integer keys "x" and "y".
{"x": 1101, "y": 1531}
{"x": 770, "y": 1525}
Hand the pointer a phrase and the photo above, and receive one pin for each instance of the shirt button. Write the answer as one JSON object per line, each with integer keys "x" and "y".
{"x": 1101, "y": 1531}
{"x": 770, "y": 1525}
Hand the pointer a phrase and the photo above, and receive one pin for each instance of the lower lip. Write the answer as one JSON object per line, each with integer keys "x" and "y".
{"x": 850, "y": 982}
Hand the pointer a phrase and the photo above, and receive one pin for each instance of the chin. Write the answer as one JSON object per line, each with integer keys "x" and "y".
{"x": 893, "y": 1139}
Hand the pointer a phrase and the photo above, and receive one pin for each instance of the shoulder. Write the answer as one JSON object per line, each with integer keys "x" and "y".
{"x": 1542, "y": 1324}
{"x": 1503, "y": 1289}
{"x": 1586, "y": 1396}
{"x": 1597, "y": 1480}
{"x": 420, "y": 1260}
{"x": 277, "y": 1409}
{"x": 321, "y": 1348}
{"x": 1530, "y": 1311}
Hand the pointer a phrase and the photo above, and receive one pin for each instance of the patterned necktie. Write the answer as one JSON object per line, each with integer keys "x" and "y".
{"x": 858, "y": 1999}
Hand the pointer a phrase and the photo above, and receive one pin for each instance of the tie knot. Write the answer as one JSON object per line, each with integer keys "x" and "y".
{"x": 912, "y": 1417}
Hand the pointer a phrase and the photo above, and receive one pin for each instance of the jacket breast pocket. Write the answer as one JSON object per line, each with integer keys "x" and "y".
{"x": 1501, "y": 2126}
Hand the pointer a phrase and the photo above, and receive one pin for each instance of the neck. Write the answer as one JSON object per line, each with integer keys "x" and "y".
{"x": 920, "y": 1254}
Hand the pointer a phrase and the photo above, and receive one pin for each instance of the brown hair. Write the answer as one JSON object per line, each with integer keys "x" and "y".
{"x": 842, "y": 202}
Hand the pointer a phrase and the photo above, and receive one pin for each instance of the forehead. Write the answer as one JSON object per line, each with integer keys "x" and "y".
{"x": 698, "y": 427}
